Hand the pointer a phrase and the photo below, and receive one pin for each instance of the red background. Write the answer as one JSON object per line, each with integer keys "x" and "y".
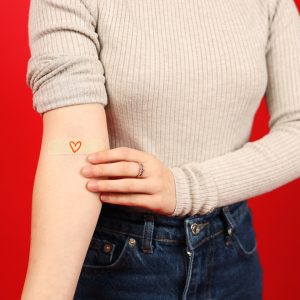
{"x": 275, "y": 213}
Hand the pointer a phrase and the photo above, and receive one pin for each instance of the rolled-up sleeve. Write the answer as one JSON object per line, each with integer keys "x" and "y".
{"x": 64, "y": 67}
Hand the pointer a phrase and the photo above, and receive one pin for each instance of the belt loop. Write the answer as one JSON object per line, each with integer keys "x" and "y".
{"x": 147, "y": 246}
{"x": 230, "y": 221}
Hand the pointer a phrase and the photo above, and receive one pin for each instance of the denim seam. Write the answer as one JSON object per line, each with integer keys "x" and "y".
{"x": 207, "y": 238}
{"x": 105, "y": 229}
{"x": 97, "y": 270}
{"x": 185, "y": 261}
{"x": 210, "y": 268}
{"x": 147, "y": 239}
{"x": 238, "y": 214}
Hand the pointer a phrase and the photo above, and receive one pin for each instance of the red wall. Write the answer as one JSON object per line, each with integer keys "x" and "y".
{"x": 277, "y": 229}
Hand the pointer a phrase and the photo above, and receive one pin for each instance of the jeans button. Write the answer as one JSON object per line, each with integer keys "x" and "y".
{"x": 229, "y": 231}
{"x": 195, "y": 228}
{"x": 132, "y": 242}
{"x": 107, "y": 248}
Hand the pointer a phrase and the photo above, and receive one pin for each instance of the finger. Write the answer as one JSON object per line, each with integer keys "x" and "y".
{"x": 139, "y": 200}
{"x": 117, "y": 169}
{"x": 123, "y": 185}
{"x": 117, "y": 154}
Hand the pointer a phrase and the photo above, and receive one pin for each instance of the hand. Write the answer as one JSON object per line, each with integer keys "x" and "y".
{"x": 154, "y": 190}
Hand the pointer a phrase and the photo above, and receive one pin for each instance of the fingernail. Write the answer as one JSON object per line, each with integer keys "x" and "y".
{"x": 86, "y": 171}
{"x": 92, "y": 185}
{"x": 103, "y": 197}
{"x": 92, "y": 157}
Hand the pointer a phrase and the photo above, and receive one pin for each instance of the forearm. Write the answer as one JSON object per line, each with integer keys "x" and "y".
{"x": 67, "y": 79}
{"x": 256, "y": 168}
{"x": 64, "y": 216}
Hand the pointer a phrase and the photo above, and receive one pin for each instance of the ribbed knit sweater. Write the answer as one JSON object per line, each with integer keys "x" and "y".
{"x": 181, "y": 79}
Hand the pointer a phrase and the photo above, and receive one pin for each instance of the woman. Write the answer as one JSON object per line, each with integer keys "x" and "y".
{"x": 170, "y": 89}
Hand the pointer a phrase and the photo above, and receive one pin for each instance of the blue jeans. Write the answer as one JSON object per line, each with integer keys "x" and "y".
{"x": 149, "y": 256}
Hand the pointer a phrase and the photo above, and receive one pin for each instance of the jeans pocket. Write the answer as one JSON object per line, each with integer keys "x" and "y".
{"x": 108, "y": 251}
{"x": 244, "y": 237}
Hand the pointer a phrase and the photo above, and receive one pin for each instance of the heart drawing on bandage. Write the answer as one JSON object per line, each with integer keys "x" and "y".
{"x": 75, "y": 146}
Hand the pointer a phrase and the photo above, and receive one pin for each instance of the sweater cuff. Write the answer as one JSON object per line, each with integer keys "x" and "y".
{"x": 196, "y": 192}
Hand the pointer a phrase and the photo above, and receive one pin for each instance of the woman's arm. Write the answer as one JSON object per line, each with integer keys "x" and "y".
{"x": 271, "y": 161}
{"x": 64, "y": 212}
{"x": 64, "y": 72}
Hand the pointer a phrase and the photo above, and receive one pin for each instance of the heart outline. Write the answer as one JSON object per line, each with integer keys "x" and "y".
{"x": 71, "y": 143}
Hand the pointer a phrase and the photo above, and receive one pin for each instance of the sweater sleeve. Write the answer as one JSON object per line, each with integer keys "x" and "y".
{"x": 269, "y": 162}
{"x": 64, "y": 67}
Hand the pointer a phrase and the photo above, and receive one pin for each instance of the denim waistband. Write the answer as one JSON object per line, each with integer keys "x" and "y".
{"x": 151, "y": 226}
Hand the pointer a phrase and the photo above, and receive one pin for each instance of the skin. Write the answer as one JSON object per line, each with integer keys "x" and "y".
{"x": 156, "y": 185}
{"x": 65, "y": 211}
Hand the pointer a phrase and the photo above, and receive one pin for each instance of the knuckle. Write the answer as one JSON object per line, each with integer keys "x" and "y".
{"x": 156, "y": 203}
{"x": 125, "y": 150}
{"x": 158, "y": 199}
{"x": 135, "y": 169}
{"x": 96, "y": 170}
{"x": 157, "y": 185}
{"x": 157, "y": 170}
{"x": 160, "y": 184}
{"x": 123, "y": 168}
{"x": 160, "y": 171}
{"x": 129, "y": 186}
{"x": 102, "y": 185}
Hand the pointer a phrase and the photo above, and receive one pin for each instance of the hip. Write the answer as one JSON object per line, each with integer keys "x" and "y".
{"x": 146, "y": 255}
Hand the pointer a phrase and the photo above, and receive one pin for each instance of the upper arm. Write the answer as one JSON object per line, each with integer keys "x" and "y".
{"x": 64, "y": 68}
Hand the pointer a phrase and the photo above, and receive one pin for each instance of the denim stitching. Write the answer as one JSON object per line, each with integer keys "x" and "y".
{"x": 185, "y": 261}
{"x": 207, "y": 238}
{"x": 161, "y": 239}
{"x": 210, "y": 268}
{"x": 121, "y": 260}
{"x": 148, "y": 226}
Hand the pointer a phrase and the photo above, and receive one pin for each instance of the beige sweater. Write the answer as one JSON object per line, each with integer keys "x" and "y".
{"x": 181, "y": 79}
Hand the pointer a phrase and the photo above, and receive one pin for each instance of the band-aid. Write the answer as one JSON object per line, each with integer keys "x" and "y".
{"x": 75, "y": 145}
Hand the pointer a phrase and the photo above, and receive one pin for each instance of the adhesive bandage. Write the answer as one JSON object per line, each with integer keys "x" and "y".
{"x": 75, "y": 145}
